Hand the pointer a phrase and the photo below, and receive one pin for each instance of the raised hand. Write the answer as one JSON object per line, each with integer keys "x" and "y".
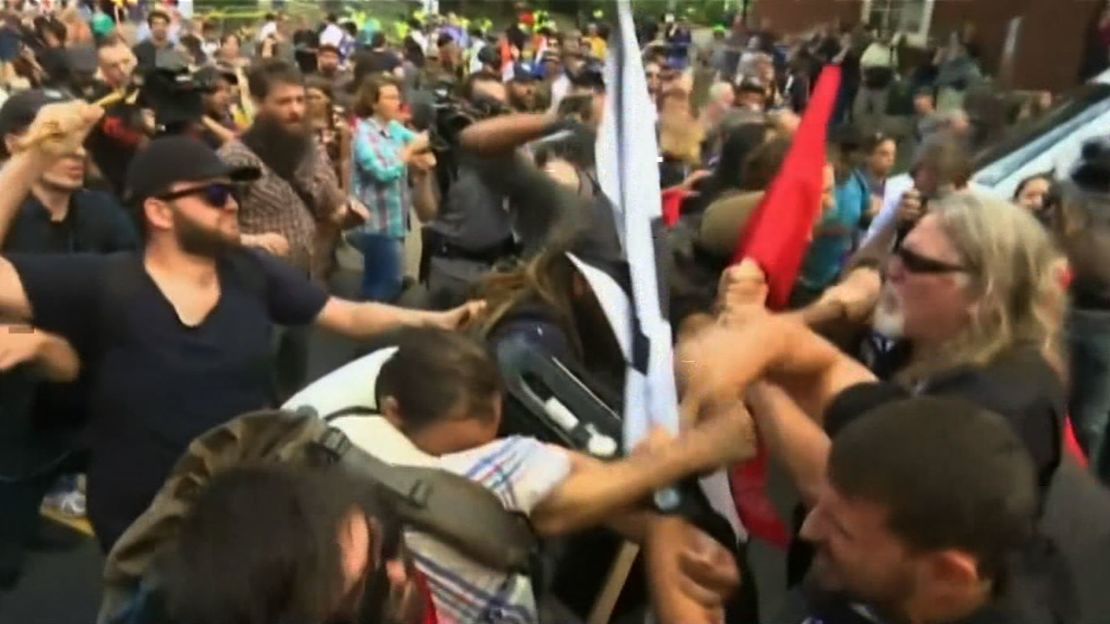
{"x": 60, "y": 129}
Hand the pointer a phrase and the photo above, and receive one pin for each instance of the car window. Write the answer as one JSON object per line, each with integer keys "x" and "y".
{"x": 1027, "y": 141}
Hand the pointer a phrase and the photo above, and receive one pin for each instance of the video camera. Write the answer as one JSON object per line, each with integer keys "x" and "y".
{"x": 453, "y": 114}
{"x": 173, "y": 92}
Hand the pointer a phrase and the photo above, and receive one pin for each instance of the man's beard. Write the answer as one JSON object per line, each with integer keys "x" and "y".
{"x": 197, "y": 240}
{"x": 890, "y": 318}
{"x": 280, "y": 149}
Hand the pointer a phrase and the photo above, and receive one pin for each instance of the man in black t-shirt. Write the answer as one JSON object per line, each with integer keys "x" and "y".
{"x": 58, "y": 216}
{"x": 926, "y": 505}
{"x": 177, "y": 337}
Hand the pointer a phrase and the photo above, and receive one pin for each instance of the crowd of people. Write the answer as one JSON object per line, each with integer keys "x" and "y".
{"x": 175, "y": 196}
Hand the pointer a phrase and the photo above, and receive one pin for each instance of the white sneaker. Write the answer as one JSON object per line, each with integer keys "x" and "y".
{"x": 68, "y": 501}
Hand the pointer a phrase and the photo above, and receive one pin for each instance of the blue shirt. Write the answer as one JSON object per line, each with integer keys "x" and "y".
{"x": 380, "y": 178}
{"x": 835, "y": 235}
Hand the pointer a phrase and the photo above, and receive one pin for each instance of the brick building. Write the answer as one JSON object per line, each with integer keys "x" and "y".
{"x": 1026, "y": 44}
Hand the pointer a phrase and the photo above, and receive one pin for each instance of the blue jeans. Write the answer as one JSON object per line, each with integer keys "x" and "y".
{"x": 1089, "y": 341}
{"x": 383, "y": 265}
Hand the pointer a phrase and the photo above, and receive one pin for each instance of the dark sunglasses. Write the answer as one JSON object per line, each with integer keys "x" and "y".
{"x": 916, "y": 263}
{"x": 215, "y": 195}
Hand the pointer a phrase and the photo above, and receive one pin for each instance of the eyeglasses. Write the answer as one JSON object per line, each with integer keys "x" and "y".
{"x": 916, "y": 263}
{"x": 215, "y": 195}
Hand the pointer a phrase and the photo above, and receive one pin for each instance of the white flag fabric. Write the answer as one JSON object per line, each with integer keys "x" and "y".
{"x": 628, "y": 172}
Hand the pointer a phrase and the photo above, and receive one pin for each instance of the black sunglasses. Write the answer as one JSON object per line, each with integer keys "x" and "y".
{"x": 215, "y": 195}
{"x": 916, "y": 263}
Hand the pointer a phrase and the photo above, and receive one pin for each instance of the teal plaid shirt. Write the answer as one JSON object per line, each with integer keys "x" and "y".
{"x": 380, "y": 177}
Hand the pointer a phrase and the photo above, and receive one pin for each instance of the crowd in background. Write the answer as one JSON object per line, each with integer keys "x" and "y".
{"x": 177, "y": 196}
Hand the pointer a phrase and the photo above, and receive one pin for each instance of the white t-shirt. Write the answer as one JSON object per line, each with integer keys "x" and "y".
{"x": 332, "y": 35}
{"x": 269, "y": 29}
{"x": 520, "y": 471}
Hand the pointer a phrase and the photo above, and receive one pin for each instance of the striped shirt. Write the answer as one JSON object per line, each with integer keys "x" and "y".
{"x": 520, "y": 471}
{"x": 380, "y": 177}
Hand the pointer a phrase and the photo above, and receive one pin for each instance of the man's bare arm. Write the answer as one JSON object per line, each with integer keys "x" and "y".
{"x": 793, "y": 438}
{"x": 718, "y": 364}
{"x": 596, "y": 491}
{"x": 425, "y": 195}
{"x": 501, "y": 135}
{"x": 362, "y": 321}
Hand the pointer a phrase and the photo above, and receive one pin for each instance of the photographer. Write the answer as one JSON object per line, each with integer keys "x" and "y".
{"x": 473, "y": 229}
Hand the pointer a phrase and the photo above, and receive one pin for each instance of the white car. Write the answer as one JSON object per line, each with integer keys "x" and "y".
{"x": 1051, "y": 144}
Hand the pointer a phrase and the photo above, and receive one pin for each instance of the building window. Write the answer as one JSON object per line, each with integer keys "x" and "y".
{"x": 912, "y": 17}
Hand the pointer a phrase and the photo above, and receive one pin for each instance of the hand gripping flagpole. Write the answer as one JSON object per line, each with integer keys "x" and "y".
{"x": 629, "y": 175}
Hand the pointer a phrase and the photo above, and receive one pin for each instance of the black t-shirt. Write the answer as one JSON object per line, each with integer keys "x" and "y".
{"x": 156, "y": 383}
{"x": 369, "y": 62}
{"x": 1018, "y": 385}
{"x": 146, "y": 55}
{"x": 52, "y": 413}
{"x": 95, "y": 223}
{"x": 305, "y": 42}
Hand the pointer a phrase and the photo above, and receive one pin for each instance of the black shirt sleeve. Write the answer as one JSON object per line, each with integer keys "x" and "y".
{"x": 114, "y": 229}
{"x": 64, "y": 291}
{"x": 857, "y": 400}
{"x": 1027, "y": 395}
{"x": 291, "y": 297}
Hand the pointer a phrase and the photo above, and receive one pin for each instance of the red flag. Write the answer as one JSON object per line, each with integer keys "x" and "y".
{"x": 777, "y": 237}
{"x": 672, "y": 205}
{"x": 778, "y": 233}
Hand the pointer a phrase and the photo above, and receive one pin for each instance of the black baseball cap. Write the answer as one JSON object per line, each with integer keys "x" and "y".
{"x": 171, "y": 159}
{"x": 19, "y": 110}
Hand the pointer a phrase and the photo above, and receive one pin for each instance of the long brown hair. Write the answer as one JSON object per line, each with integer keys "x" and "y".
{"x": 547, "y": 279}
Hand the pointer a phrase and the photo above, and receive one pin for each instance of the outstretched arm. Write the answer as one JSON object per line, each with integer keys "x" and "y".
{"x": 501, "y": 135}
{"x": 50, "y": 354}
{"x": 598, "y": 492}
{"x": 719, "y": 363}
{"x": 793, "y": 438}
{"x": 544, "y": 211}
{"x": 362, "y": 321}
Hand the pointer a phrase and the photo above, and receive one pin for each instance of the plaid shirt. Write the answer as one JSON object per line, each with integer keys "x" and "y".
{"x": 380, "y": 177}
{"x": 272, "y": 204}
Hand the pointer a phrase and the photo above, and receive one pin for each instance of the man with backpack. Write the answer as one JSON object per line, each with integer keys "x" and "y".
{"x": 177, "y": 338}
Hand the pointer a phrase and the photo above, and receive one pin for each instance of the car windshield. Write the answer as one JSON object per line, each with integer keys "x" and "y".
{"x": 1010, "y": 153}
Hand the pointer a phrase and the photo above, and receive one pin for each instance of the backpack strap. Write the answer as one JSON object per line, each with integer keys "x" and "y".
{"x": 454, "y": 509}
{"x": 354, "y": 410}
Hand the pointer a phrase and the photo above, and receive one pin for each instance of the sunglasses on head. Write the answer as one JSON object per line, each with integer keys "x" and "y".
{"x": 215, "y": 194}
{"x": 914, "y": 262}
